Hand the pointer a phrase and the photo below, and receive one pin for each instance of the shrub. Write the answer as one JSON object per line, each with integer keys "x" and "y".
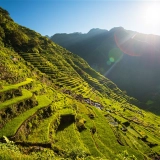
{"x": 80, "y": 123}
{"x": 93, "y": 129}
{"x": 2, "y": 33}
{"x": 91, "y": 116}
{"x": 125, "y": 156}
{"x": 1, "y": 86}
{"x": 76, "y": 154}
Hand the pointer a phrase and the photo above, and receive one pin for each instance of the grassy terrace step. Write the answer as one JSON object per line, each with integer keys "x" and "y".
{"x": 88, "y": 90}
{"x": 34, "y": 55}
{"x": 23, "y": 53}
{"x": 36, "y": 62}
{"x": 79, "y": 91}
{"x": 25, "y": 95}
{"x": 104, "y": 130}
{"x": 107, "y": 137}
{"x": 41, "y": 134}
{"x": 106, "y": 151}
{"x": 65, "y": 78}
{"x": 89, "y": 93}
{"x": 11, "y": 127}
{"x": 68, "y": 139}
{"x": 102, "y": 148}
{"x": 62, "y": 79}
{"x": 15, "y": 86}
{"x": 88, "y": 141}
{"x": 92, "y": 95}
{"x": 77, "y": 88}
{"x": 70, "y": 83}
{"x": 48, "y": 72}
{"x": 34, "y": 59}
{"x": 31, "y": 56}
{"x": 45, "y": 67}
{"x": 42, "y": 64}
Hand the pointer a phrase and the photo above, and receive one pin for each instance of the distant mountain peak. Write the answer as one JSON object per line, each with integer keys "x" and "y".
{"x": 97, "y": 31}
{"x": 47, "y": 36}
{"x": 116, "y": 29}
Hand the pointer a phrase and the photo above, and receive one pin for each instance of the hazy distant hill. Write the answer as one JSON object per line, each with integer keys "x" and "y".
{"x": 138, "y": 70}
{"x": 128, "y": 58}
{"x": 90, "y": 46}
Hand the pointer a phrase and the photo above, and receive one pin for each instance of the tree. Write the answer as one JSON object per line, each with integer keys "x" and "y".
{"x": 2, "y": 34}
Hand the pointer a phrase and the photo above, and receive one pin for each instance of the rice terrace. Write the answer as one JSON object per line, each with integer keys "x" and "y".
{"x": 56, "y": 105}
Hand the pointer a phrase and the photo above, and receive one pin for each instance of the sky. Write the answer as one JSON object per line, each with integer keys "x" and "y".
{"x": 49, "y": 17}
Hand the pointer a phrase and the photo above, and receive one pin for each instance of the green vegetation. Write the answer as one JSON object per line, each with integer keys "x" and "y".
{"x": 11, "y": 127}
{"x": 54, "y": 106}
{"x": 16, "y": 86}
{"x": 26, "y": 94}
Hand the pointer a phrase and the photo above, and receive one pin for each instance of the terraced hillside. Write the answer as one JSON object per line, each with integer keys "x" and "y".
{"x": 54, "y": 106}
{"x": 124, "y": 57}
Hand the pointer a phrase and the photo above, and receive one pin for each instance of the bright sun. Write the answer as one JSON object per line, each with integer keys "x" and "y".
{"x": 152, "y": 15}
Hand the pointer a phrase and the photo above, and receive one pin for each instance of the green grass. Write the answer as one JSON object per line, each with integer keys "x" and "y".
{"x": 133, "y": 132}
{"x": 106, "y": 151}
{"x": 41, "y": 134}
{"x": 66, "y": 111}
{"x": 106, "y": 135}
{"x": 157, "y": 149}
{"x": 102, "y": 148}
{"x": 11, "y": 127}
{"x": 25, "y": 95}
{"x": 67, "y": 139}
{"x": 104, "y": 131}
{"x": 10, "y": 87}
{"x": 121, "y": 119}
{"x": 89, "y": 143}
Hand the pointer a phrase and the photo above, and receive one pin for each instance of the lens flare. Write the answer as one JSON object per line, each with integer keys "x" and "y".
{"x": 111, "y": 59}
{"x": 128, "y": 44}
{"x": 114, "y": 55}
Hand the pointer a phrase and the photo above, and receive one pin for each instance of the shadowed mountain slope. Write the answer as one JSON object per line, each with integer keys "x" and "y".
{"x": 130, "y": 59}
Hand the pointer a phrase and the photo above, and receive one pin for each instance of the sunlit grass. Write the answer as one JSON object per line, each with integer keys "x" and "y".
{"x": 16, "y": 86}
{"x": 25, "y": 95}
{"x": 11, "y": 127}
